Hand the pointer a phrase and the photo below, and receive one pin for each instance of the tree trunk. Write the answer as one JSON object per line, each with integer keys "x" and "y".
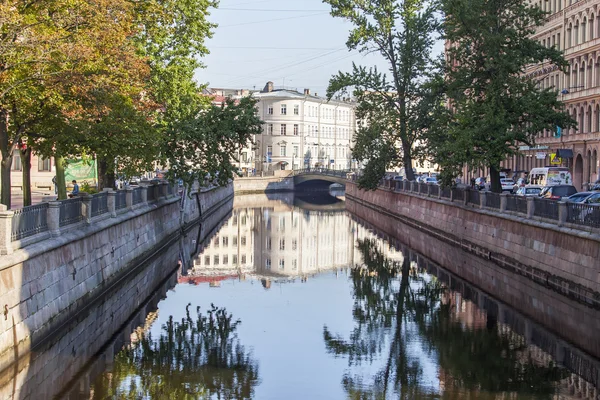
{"x": 6, "y": 163}
{"x": 495, "y": 185}
{"x": 59, "y": 163}
{"x": 407, "y": 161}
{"x": 106, "y": 175}
{"x": 26, "y": 165}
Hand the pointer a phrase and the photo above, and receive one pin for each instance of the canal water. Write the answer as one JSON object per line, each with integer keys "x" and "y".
{"x": 293, "y": 298}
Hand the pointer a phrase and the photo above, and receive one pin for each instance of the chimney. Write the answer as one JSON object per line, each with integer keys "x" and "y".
{"x": 307, "y": 92}
{"x": 268, "y": 87}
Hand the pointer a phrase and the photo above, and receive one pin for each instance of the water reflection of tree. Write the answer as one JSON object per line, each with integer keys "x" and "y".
{"x": 393, "y": 304}
{"x": 197, "y": 358}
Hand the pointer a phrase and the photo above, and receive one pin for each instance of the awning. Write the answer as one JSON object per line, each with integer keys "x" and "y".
{"x": 564, "y": 153}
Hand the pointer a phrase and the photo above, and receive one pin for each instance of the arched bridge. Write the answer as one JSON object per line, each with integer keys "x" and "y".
{"x": 321, "y": 174}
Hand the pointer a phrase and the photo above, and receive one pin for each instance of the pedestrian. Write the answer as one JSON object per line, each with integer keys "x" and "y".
{"x": 75, "y": 191}
{"x": 473, "y": 182}
{"x": 55, "y": 185}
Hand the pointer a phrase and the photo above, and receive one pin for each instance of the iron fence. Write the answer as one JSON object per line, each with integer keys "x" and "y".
{"x": 474, "y": 197}
{"x": 434, "y": 190}
{"x": 29, "y": 221}
{"x": 151, "y": 193}
{"x": 516, "y": 204}
{"x": 583, "y": 214}
{"x": 70, "y": 211}
{"x": 492, "y": 200}
{"x": 423, "y": 188}
{"x": 120, "y": 199}
{"x": 459, "y": 194}
{"x": 137, "y": 195}
{"x": 169, "y": 189}
{"x": 545, "y": 208}
{"x": 99, "y": 204}
{"x": 446, "y": 192}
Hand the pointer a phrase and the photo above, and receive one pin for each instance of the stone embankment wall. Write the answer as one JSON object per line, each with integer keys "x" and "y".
{"x": 46, "y": 284}
{"x": 565, "y": 260}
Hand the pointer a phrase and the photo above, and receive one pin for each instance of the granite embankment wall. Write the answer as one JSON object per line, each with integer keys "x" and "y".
{"x": 567, "y": 318}
{"x": 45, "y": 285}
{"x": 563, "y": 259}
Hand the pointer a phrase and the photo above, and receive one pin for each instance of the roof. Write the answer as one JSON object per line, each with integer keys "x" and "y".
{"x": 292, "y": 94}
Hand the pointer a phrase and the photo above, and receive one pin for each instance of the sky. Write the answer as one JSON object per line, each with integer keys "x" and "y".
{"x": 296, "y": 44}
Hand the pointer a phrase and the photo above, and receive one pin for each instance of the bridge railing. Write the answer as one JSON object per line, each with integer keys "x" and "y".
{"x": 556, "y": 212}
{"x": 28, "y": 225}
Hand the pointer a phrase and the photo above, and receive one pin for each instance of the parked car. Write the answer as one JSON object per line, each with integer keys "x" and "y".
{"x": 480, "y": 183}
{"x": 521, "y": 182}
{"x": 585, "y": 198}
{"x": 507, "y": 184}
{"x": 398, "y": 178}
{"x": 558, "y": 192}
{"x": 529, "y": 191}
{"x": 431, "y": 180}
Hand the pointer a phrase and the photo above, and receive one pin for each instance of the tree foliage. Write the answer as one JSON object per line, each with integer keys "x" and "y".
{"x": 491, "y": 105}
{"x": 199, "y": 357}
{"x": 392, "y": 112}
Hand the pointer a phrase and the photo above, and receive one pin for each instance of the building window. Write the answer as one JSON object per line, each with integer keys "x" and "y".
{"x": 294, "y": 244}
{"x": 282, "y": 224}
{"x": 270, "y": 129}
{"x": 216, "y": 260}
{"x": 243, "y": 259}
{"x": 296, "y": 109}
{"x": 294, "y": 265}
{"x": 43, "y": 164}
{"x": 296, "y": 129}
{"x": 268, "y": 263}
{"x": 281, "y": 263}
{"x": 16, "y": 161}
{"x": 243, "y": 241}
{"x": 282, "y": 150}
{"x": 225, "y": 241}
{"x": 283, "y": 109}
{"x": 206, "y": 260}
{"x": 295, "y": 153}
{"x": 283, "y": 129}
{"x": 268, "y": 243}
{"x": 234, "y": 240}
{"x": 225, "y": 259}
{"x": 245, "y": 157}
{"x": 234, "y": 259}
{"x": 281, "y": 244}
{"x": 216, "y": 242}
{"x": 270, "y": 110}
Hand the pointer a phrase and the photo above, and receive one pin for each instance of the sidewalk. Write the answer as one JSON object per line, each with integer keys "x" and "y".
{"x": 37, "y": 197}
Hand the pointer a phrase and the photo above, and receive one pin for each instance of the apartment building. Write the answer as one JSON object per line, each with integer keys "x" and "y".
{"x": 303, "y": 130}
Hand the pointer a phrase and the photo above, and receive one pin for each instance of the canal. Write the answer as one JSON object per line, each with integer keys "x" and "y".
{"x": 292, "y": 297}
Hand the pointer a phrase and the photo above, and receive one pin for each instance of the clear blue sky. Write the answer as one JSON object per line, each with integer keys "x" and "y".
{"x": 296, "y": 43}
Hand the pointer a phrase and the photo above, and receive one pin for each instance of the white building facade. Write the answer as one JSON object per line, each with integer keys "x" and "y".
{"x": 302, "y": 130}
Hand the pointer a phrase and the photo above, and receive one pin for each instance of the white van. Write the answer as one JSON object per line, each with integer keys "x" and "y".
{"x": 550, "y": 176}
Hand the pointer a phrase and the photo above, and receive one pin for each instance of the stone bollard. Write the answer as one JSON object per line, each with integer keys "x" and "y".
{"x": 86, "y": 208}
{"x": 530, "y": 207}
{"x": 129, "y": 198}
{"x": 452, "y": 193}
{"x": 53, "y": 218}
{"x": 562, "y": 213}
{"x": 482, "y": 199}
{"x": 503, "y": 201}
{"x": 145, "y": 189}
{"x": 6, "y": 216}
{"x": 111, "y": 202}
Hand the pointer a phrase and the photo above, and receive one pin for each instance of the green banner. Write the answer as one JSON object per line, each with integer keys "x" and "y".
{"x": 81, "y": 171}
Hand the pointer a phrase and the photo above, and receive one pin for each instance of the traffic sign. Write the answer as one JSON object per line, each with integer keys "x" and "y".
{"x": 555, "y": 159}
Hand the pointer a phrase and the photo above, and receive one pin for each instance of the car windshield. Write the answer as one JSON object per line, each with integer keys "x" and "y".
{"x": 533, "y": 190}
{"x": 564, "y": 191}
{"x": 578, "y": 198}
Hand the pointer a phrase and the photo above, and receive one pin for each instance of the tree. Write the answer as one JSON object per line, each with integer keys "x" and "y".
{"x": 491, "y": 105}
{"x": 390, "y": 111}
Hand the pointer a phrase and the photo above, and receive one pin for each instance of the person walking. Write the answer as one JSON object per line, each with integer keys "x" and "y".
{"x": 55, "y": 185}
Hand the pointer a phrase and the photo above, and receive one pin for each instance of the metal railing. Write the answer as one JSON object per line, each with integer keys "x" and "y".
{"x": 446, "y": 192}
{"x": 120, "y": 199}
{"x": 434, "y": 190}
{"x": 137, "y": 196}
{"x": 492, "y": 200}
{"x": 474, "y": 197}
{"x": 458, "y": 194}
{"x": 545, "y": 208}
{"x": 423, "y": 188}
{"x": 583, "y": 214}
{"x": 70, "y": 211}
{"x": 29, "y": 221}
{"x": 516, "y": 204}
{"x": 99, "y": 204}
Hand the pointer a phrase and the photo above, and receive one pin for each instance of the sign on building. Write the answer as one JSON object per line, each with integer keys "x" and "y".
{"x": 555, "y": 160}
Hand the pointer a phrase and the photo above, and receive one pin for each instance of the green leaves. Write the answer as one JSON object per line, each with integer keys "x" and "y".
{"x": 494, "y": 106}
{"x": 394, "y": 108}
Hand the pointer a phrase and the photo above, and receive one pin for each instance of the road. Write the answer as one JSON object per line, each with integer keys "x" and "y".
{"x": 36, "y": 197}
